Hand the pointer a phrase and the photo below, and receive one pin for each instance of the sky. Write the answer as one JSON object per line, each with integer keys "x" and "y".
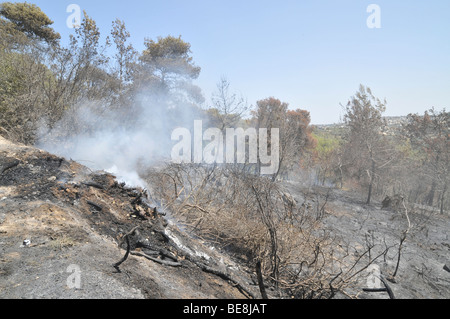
{"x": 312, "y": 54}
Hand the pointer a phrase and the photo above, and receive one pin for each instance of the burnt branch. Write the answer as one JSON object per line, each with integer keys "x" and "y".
{"x": 127, "y": 239}
{"x": 94, "y": 185}
{"x": 262, "y": 289}
{"x": 9, "y": 166}
{"x": 159, "y": 261}
{"x": 96, "y": 206}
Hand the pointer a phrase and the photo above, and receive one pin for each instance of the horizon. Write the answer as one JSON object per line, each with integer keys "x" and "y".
{"x": 310, "y": 55}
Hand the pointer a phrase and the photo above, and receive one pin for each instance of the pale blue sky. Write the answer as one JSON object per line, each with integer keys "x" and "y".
{"x": 312, "y": 54}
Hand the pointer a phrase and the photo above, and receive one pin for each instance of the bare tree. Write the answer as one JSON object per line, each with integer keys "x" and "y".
{"x": 227, "y": 107}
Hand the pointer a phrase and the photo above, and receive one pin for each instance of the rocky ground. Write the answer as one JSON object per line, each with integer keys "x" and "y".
{"x": 63, "y": 228}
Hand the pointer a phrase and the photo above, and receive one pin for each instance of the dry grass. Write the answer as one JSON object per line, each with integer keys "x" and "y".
{"x": 62, "y": 242}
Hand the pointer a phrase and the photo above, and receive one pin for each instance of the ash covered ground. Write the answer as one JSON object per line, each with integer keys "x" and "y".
{"x": 60, "y": 222}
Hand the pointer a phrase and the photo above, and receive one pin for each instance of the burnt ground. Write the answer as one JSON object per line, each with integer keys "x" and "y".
{"x": 423, "y": 271}
{"x": 59, "y": 222}
{"x": 74, "y": 220}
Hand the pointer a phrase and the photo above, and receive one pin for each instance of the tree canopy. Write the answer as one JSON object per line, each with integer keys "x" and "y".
{"x": 28, "y": 19}
{"x": 168, "y": 64}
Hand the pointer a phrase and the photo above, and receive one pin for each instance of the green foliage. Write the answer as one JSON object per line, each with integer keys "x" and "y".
{"x": 429, "y": 136}
{"x": 364, "y": 114}
{"x": 169, "y": 56}
{"x": 23, "y": 83}
{"x": 367, "y": 151}
{"x": 86, "y": 43}
{"x": 326, "y": 144}
{"x": 125, "y": 53}
{"x": 11, "y": 82}
{"x": 42, "y": 81}
{"x": 168, "y": 65}
{"x": 27, "y": 19}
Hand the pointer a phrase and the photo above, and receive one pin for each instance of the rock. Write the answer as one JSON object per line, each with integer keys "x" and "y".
{"x": 26, "y": 243}
{"x": 447, "y": 267}
{"x": 52, "y": 179}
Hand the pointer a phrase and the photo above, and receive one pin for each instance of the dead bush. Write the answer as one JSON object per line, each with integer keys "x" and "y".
{"x": 257, "y": 220}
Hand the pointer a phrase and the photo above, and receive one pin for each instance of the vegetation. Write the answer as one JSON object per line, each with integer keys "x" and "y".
{"x": 43, "y": 82}
{"x": 27, "y": 19}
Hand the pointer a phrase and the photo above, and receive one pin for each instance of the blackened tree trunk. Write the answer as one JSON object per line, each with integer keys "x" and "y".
{"x": 429, "y": 200}
{"x": 372, "y": 180}
{"x": 443, "y": 198}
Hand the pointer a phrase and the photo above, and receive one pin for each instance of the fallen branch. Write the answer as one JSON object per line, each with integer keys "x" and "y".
{"x": 4, "y": 130}
{"x": 96, "y": 206}
{"x": 155, "y": 250}
{"x": 9, "y": 166}
{"x": 402, "y": 241}
{"x": 227, "y": 277}
{"x": 37, "y": 245}
{"x": 159, "y": 261}
{"x": 388, "y": 289}
{"x": 163, "y": 234}
{"x": 262, "y": 289}
{"x": 374, "y": 289}
{"x": 92, "y": 184}
{"x": 224, "y": 276}
{"x": 127, "y": 239}
{"x": 125, "y": 257}
{"x": 333, "y": 290}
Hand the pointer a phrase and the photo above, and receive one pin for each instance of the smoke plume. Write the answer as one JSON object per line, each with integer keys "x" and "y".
{"x": 121, "y": 141}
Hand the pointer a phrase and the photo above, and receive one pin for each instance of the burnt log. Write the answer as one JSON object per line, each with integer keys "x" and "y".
{"x": 262, "y": 288}
{"x": 127, "y": 239}
{"x": 159, "y": 261}
{"x": 97, "y": 207}
{"x": 374, "y": 289}
{"x": 94, "y": 185}
{"x": 388, "y": 289}
{"x": 9, "y": 165}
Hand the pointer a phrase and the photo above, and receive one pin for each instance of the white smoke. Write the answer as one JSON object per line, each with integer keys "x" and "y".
{"x": 120, "y": 141}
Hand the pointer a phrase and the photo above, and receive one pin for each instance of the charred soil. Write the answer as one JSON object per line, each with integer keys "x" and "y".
{"x": 61, "y": 222}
